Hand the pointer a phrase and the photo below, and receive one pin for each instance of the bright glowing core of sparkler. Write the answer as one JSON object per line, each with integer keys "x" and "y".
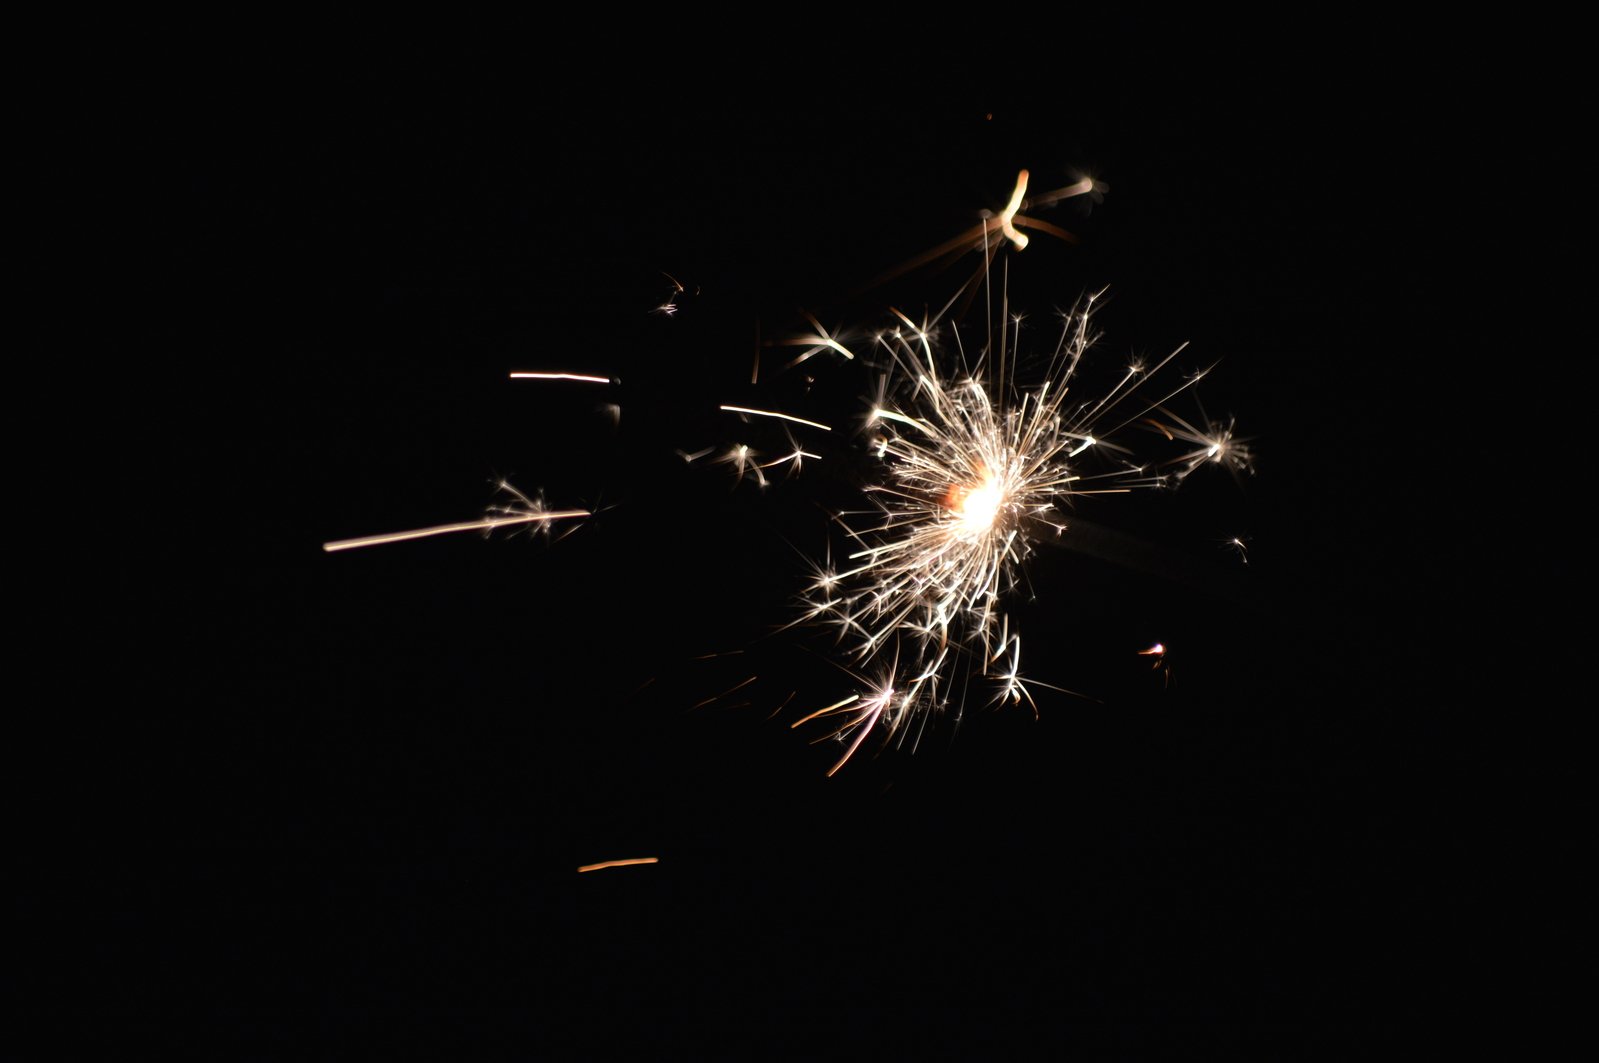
{"x": 980, "y": 506}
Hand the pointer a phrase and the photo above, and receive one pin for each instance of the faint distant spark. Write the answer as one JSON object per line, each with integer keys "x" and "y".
{"x": 619, "y": 863}
{"x": 1158, "y": 661}
{"x": 670, "y": 307}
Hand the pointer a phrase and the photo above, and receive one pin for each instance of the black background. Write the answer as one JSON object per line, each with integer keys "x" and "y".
{"x": 361, "y": 804}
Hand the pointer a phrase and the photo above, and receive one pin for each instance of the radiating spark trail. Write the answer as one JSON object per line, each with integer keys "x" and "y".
{"x": 633, "y": 862}
{"x": 723, "y": 694}
{"x": 774, "y": 413}
{"x": 580, "y": 377}
{"x": 486, "y": 524}
{"x": 1214, "y": 442}
{"x": 796, "y": 456}
{"x": 815, "y": 344}
{"x": 823, "y": 712}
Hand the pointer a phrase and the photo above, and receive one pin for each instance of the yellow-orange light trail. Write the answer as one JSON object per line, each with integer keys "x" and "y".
{"x": 1015, "y": 204}
{"x": 1006, "y": 222}
{"x": 485, "y": 524}
{"x": 823, "y": 712}
{"x": 619, "y": 863}
{"x": 580, "y": 377}
{"x": 780, "y": 416}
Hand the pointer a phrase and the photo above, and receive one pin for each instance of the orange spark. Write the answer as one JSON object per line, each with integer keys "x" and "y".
{"x": 619, "y": 863}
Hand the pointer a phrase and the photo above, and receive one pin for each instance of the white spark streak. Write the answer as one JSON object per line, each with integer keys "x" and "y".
{"x": 486, "y": 524}
{"x": 774, "y": 413}
{"x": 580, "y": 377}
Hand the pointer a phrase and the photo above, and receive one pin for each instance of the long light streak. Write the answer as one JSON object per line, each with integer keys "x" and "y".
{"x": 486, "y": 524}
{"x": 580, "y": 377}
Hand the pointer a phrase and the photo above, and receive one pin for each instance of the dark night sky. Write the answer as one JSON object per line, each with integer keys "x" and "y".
{"x": 382, "y": 767}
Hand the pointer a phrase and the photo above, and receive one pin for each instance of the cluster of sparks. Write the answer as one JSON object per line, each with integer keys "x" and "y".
{"x": 976, "y": 471}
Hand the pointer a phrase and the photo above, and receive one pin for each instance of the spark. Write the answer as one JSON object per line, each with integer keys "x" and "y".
{"x": 580, "y": 377}
{"x": 795, "y": 457}
{"x": 1214, "y": 443}
{"x": 486, "y": 524}
{"x": 1006, "y": 223}
{"x": 742, "y": 458}
{"x": 1012, "y": 688}
{"x": 630, "y": 862}
{"x": 523, "y": 509}
{"x": 723, "y": 694}
{"x": 815, "y": 343}
{"x": 669, "y": 308}
{"x": 1240, "y": 545}
{"x": 1158, "y": 661}
{"x": 781, "y": 416}
{"x": 1008, "y": 215}
{"x": 824, "y": 712}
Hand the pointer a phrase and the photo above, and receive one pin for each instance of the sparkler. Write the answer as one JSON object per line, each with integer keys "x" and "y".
{"x": 976, "y": 472}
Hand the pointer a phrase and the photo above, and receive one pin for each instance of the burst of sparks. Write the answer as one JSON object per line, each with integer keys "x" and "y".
{"x": 976, "y": 472}
{"x": 1213, "y": 442}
